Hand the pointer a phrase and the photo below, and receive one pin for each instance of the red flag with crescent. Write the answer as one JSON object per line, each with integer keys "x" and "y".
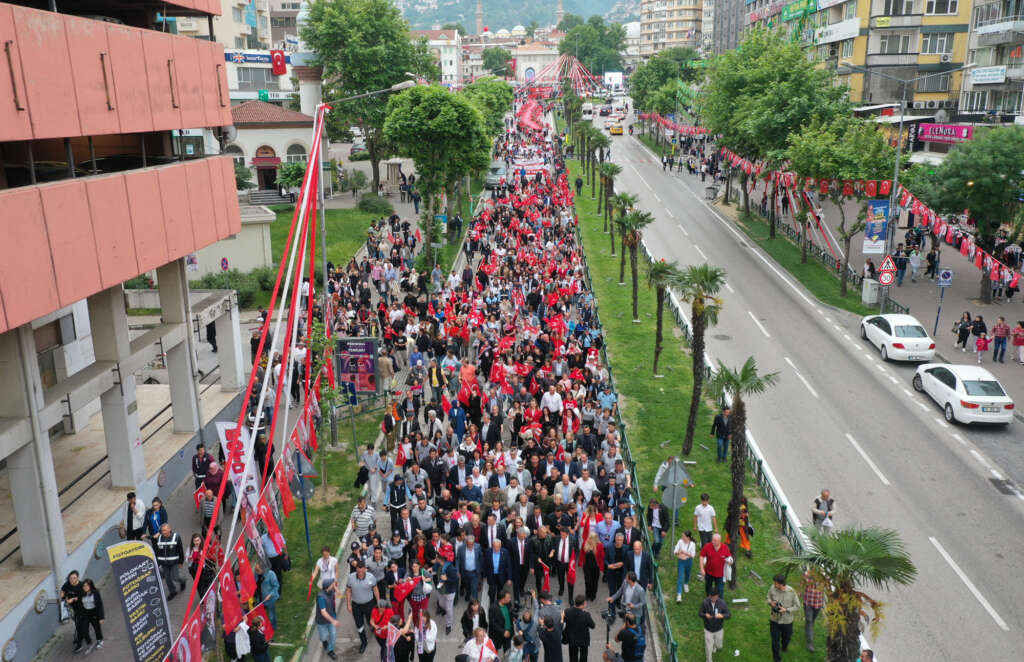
{"x": 273, "y": 530}
{"x": 403, "y": 589}
{"x": 885, "y": 187}
{"x": 246, "y": 579}
{"x": 261, "y": 611}
{"x": 231, "y": 608}
{"x": 189, "y": 647}
{"x": 278, "y": 63}
{"x": 570, "y": 573}
{"x": 287, "y": 500}
{"x": 547, "y": 577}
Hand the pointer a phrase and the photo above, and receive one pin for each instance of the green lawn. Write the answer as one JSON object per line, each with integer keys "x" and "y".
{"x": 346, "y": 233}
{"x": 652, "y": 411}
{"x": 815, "y": 276}
{"x": 327, "y": 519}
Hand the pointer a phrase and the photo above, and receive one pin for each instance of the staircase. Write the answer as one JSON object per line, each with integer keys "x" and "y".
{"x": 267, "y": 197}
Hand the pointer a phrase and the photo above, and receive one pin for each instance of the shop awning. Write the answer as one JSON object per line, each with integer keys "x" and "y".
{"x": 264, "y": 161}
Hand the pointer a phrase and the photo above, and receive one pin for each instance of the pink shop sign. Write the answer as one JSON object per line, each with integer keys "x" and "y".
{"x": 944, "y": 133}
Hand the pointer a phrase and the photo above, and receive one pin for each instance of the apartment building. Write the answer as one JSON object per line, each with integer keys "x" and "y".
{"x": 993, "y": 88}
{"x": 110, "y": 167}
{"x": 728, "y": 25}
{"x": 668, "y": 24}
{"x": 284, "y": 29}
{"x": 447, "y": 48}
{"x": 241, "y": 24}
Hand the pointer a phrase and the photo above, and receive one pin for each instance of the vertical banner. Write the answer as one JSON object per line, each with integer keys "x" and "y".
{"x": 876, "y": 227}
{"x": 240, "y": 467}
{"x": 356, "y": 359}
{"x": 134, "y": 568}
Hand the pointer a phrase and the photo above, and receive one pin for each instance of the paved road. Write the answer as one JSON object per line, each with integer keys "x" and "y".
{"x": 840, "y": 418}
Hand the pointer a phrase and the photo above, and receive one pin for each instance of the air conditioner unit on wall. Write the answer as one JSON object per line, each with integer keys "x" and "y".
{"x": 946, "y": 59}
{"x": 933, "y": 104}
{"x": 919, "y": 104}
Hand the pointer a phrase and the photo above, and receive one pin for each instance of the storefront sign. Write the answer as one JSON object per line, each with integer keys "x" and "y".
{"x": 825, "y": 4}
{"x": 988, "y": 75}
{"x": 945, "y": 133}
{"x": 141, "y": 594}
{"x": 238, "y": 57}
{"x": 356, "y": 359}
{"x": 840, "y": 31}
{"x": 765, "y": 13}
{"x": 876, "y": 227}
{"x": 798, "y": 9}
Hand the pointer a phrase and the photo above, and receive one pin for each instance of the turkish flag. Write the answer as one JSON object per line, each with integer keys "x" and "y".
{"x": 871, "y": 188}
{"x": 823, "y": 184}
{"x": 905, "y": 197}
{"x": 190, "y": 646}
{"x": 996, "y": 274}
{"x": 197, "y": 496}
{"x": 265, "y": 514}
{"x": 246, "y": 580}
{"x": 446, "y": 405}
{"x": 979, "y": 255}
{"x": 1015, "y": 280}
{"x": 847, "y": 188}
{"x": 230, "y": 606}
{"x": 277, "y": 63}
{"x": 403, "y": 589}
{"x": 419, "y": 237}
{"x": 965, "y": 246}
{"x": 261, "y": 611}
{"x": 570, "y": 573}
{"x": 287, "y": 500}
{"x": 547, "y": 577}
{"x": 464, "y": 393}
{"x": 885, "y": 187}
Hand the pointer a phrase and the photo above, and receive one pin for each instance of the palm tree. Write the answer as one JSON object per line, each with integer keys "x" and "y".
{"x": 739, "y": 384}
{"x": 598, "y": 143}
{"x": 660, "y": 275}
{"x": 699, "y": 286}
{"x": 610, "y": 171}
{"x": 622, "y": 202}
{"x": 631, "y": 229}
{"x": 838, "y": 563}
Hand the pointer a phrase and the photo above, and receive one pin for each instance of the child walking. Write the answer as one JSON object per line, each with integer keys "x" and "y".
{"x": 981, "y": 345}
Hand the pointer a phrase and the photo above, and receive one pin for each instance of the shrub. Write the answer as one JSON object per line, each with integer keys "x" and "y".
{"x": 371, "y": 203}
{"x": 359, "y": 156}
{"x": 246, "y": 285}
{"x": 140, "y": 282}
{"x": 265, "y": 277}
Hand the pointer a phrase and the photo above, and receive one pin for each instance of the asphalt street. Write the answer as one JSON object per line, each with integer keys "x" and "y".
{"x": 841, "y": 418}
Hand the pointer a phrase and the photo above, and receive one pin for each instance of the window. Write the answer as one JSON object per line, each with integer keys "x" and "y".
{"x": 940, "y": 6}
{"x": 934, "y": 84}
{"x": 847, "y": 48}
{"x": 296, "y": 154}
{"x": 898, "y": 7}
{"x": 973, "y": 101}
{"x": 256, "y": 78}
{"x": 850, "y": 10}
{"x": 236, "y": 154}
{"x": 937, "y": 42}
{"x": 236, "y": 14}
{"x": 892, "y": 43}
{"x": 239, "y": 42}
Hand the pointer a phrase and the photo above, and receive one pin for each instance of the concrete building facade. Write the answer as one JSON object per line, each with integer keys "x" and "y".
{"x": 109, "y": 172}
{"x": 447, "y": 48}
{"x": 994, "y": 87}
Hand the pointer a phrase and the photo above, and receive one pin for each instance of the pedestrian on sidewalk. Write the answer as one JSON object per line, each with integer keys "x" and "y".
{"x": 71, "y": 593}
{"x": 1000, "y": 334}
{"x": 713, "y": 612}
{"x": 981, "y": 345}
{"x": 915, "y": 264}
{"x": 326, "y": 617}
{"x": 962, "y": 329}
{"x": 933, "y": 263}
{"x": 901, "y": 259}
{"x": 814, "y": 601}
{"x": 170, "y": 556}
{"x": 784, "y": 605}
{"x": 720, "y": 431}
{"x": 1018, "y": 341}
{"x": 92, "y": 613}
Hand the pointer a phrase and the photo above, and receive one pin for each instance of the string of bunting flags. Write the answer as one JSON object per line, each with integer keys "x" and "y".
{"x": 683, "y": 129}
{"x": 794, "y": 184}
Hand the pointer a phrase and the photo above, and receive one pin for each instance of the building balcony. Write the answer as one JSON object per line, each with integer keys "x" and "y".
{"x": 67, "y": 240}
{"x": 890, "y": 59}
{"x": 1015, "y": 72}
{"x": 1014, "y": 33}
{"x": 904, "y": 21}
{"x": 70, "y": 76}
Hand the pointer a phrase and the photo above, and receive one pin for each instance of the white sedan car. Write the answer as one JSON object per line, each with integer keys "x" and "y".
{"x": 966, "y": 393}
{"x": 898, "y": 337}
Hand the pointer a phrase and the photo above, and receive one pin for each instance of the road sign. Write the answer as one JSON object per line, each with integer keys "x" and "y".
{"x": 674, "y": 497}
{"x": 675, "y": 475}
{"x": 945, "y": 278}
{"x": 888, "y": 264}
{"x": 886, "y": 278}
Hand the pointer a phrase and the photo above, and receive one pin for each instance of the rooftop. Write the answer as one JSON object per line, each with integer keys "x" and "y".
{"x": 261, "y": 112}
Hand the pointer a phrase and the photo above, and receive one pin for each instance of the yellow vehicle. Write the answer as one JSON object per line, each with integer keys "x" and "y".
{"x": 615, "y": 130}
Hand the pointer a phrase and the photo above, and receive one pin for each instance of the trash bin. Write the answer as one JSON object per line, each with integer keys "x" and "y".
{"x": 711, "y": 192}
{"x": 869, "y": 292}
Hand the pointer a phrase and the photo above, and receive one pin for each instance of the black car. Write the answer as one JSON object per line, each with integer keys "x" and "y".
{"x": 605, "y": 110}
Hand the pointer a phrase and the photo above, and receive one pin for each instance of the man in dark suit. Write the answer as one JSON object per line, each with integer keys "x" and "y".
{"x": 630, "y": 533}
{"x": 497, "y": 569}
{"x": 470, "y": 562}
{"x": 500, "y": 626}
{"x": 543, "y": 551}
{"x": 490, "y": 432}
{"x": 720, "y": 431}
{"x": 578, "y": 624}
{"x": 522, "y": 561}
{"x": 564, "y": 547}
{"x": 536, "y": 520}
{"x": 458, "y": 475}
{"x": 639, "y": 562}
{"x": 499, "y": 480}
{"x": 492, "y": 531}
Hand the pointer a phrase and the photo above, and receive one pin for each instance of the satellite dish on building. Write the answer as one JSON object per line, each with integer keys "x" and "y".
{"x": 941, "y": 116}
{"x": 230, "y": 133}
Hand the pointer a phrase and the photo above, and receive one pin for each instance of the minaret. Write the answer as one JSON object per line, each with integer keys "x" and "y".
{"x": 479, "y": 17}
{"x": 560, "y": 14}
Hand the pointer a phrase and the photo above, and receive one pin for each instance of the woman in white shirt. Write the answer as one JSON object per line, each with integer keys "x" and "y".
{"x": 425, "y": 633}
{"x": 326, "y": 566}
{"x": 685, "y": 550}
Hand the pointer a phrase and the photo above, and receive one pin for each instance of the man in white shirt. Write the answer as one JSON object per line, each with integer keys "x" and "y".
{"x": 705, "y": 520}
{"x": 586, "y": 484}
{"x": 552, "y": 402}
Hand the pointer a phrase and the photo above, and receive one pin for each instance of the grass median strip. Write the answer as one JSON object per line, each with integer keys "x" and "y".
{"x": 654, "y": 411}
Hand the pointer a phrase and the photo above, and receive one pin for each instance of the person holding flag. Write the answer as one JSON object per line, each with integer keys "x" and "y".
{"x": 480, "y": 648}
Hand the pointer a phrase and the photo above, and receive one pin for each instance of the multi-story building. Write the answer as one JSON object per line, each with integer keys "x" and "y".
{"x": 284, "y": 30}
{"x": 729, "y": 22}
{"x": 447, "y": 48}
{"x": 668, "y": 24}
{"x": 707, "y": 24}
{"x": 631, "y": 54}
{"x": 251, "y": 76}
{"x": 110, "y": 167}
{"x": 996, "y": 47}
{"x": 241, "y": 24}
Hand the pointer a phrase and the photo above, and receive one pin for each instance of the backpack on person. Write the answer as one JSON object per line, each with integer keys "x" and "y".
{"x": 640, "y": 646}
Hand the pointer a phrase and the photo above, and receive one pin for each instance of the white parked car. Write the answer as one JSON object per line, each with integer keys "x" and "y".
{"x": 966, "y": 393}
{"x": 898, "y": 337}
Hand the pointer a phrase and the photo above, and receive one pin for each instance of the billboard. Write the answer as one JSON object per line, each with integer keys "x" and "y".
{"x": 141, "y": 594}
{"x": 944, "y": 133}
{"x": 356, "y": 361}
{"x": 876, "y": 227}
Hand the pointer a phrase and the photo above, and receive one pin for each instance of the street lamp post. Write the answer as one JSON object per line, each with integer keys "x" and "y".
{"x": 890, "y": 226}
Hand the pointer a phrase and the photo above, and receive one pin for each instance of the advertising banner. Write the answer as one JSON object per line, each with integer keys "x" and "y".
{"x": 356, "y": 359}
{"x": 988, "y": 75}
{"x": 944, "y": 133}
{"x": 241, "y": 469}
{"x": 798, "y": 9}
{"x": 876, "y": 227}
{"x": 141, "y": 594}
{"x": 840, "y": 31}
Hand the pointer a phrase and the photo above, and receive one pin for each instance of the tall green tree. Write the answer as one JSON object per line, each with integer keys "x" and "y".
{"x": 622, "y": 202}
{"x": 444, "y": 134}
{"x": 531, "y": 29}
{"x": 496, "y": 60}
{"x": 290, "y": 175}
{"x": 569, "y": 21}
{"x": 759, "y": 93}
{"x": 363, "y": 46}
{"x": 660, "y": 276}
{"x": 985, "y": 176}
{"x": 597, "y": 44}
{"x": 740, "y": 384}
{"x": 839, "y": 564}
{"x": 493, "y": 98}
{"x": 243, "y": 177}
{"x": 665, "y": 68}
{"x": 632, "y": 231}
{"x": 844, "y": 149}
{"x": 455, "y": 26}
{"x": 699, "y": 286}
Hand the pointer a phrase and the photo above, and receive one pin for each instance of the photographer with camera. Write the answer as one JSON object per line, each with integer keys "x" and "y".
{"x": 631, "y": 636}
{"x": 632, "y": 597}
{"x": 784, "y": 604}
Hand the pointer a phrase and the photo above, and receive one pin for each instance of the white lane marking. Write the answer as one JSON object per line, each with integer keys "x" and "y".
{"x": 874, "y": 467}
{"x": 747, "y": 242}
{"x": 700, "y": 251}
{"x": 837, "y": 328}
{"x": 970, "y": 585}
{"x": 979, "y": 458}
{"x": 956, "y": 435}
{"x": 657, "y": 198}
{"x": 669, "y": 212}
{"x": 923, "y": 406}
{"x": 680, "y": 226}
{"x": 893, "y": 379}
{"x": 941, "y": 422}
{"x": 641, "y": 177}
{"x": 759, "y": 325}
{"x": 847, "y": 338}
{"x": 881, "y": 368}
{"x": 995, "y": 473}
{"x": 729, "y": 287}
{"x": 807, "y": 384}
{"x": 827, "y": 319}
{"x": 908, "y": 393}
